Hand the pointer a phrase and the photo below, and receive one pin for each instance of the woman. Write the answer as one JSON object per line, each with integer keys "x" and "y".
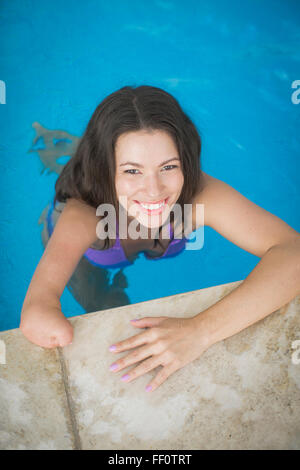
{"x": 140, "y": 155}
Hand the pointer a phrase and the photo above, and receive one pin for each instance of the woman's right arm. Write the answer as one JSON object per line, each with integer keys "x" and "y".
{"x": 42, "y": 321}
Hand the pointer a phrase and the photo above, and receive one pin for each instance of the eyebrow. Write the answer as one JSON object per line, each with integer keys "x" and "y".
{"x": 141, "y": 166}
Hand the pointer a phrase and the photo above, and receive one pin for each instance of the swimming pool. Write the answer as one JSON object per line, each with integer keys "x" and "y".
{"x": 231, "y": 70}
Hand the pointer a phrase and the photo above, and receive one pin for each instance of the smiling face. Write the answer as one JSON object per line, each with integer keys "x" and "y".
{"x": 148, "y": 174}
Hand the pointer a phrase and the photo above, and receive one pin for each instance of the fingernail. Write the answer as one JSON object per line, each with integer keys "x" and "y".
{"x": 148, "y": 388}
{"x": 136, "y": 319}
{"x": 125, "y": 377}
{"x": 112, "y": 348}
{"x": 113, "y": 367}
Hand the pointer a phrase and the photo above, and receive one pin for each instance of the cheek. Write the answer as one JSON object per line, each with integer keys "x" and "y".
{"x": 178, "y": 182}
{"x": 124, "y": 186}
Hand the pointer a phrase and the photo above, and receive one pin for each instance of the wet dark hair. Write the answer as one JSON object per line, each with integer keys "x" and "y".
{"x": 90, "y": 174}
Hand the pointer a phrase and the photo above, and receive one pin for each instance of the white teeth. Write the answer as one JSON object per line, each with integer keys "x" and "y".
{"x": 152, "y": 206}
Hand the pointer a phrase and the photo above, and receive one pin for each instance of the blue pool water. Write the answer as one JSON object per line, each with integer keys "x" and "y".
{"x": 230, "y": 66}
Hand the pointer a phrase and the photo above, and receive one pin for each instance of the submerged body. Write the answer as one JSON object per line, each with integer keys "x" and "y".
{"x": 124, "y": 253}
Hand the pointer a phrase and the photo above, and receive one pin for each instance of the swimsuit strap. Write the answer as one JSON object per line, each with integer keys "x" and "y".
{"x": 117, "y": 242}
{"x": 171, "y": 231}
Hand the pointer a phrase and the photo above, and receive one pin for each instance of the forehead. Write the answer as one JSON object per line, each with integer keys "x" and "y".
{"x": 157, "y": 144}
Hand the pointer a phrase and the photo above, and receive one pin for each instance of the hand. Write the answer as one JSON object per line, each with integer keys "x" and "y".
{"x": 168, "y": 342}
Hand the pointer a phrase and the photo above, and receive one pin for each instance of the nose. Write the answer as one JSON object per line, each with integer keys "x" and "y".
{"x": 153, "y": 187}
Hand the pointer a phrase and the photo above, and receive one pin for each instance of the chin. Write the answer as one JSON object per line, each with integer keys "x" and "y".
{"x": 154, "y": 221}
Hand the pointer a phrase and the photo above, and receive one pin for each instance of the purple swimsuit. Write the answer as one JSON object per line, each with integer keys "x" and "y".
{"x": 115, "y": 257}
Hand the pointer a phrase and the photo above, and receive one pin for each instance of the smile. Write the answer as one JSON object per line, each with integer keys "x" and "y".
{"x": 154, "y": 207}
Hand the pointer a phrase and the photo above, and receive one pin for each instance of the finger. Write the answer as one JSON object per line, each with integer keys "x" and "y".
{"x": 147, "y": 321}
{"x": 136, "y": 356}
{"x": 141, "y": 369}
{"x": 132, "y": 342}
{"x": 161, "y": 376}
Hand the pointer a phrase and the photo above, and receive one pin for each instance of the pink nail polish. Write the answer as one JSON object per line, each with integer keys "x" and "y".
{"x": 112, "y": 348}
{"x": 148, "y": 388}
{"x": 113, "y": 367}
{"x": 136, "y": 319}
{"x": 125, "y": 377}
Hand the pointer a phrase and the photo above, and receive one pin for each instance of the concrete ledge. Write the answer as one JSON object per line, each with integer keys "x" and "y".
{"x": 242, "y": 393}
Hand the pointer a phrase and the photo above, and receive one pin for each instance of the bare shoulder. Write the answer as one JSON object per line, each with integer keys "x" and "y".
{"x": 215, "y": 195}
{"x": 208, "y": 188}
{"x": 239, "y": 219}
{"x": 206, "y": 195}
{"x": 84, "y": 217}
{"x": 73, "y": 233}
{"x": 81, "y": 207}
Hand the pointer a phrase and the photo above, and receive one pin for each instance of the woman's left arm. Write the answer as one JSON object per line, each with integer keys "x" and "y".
{"x": 275, "y": 281}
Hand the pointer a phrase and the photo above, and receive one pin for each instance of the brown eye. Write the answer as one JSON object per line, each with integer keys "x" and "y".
{"x": 171, "y": 166}
{"x": 129, "y": 172}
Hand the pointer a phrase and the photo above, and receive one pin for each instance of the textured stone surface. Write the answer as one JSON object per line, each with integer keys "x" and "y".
{"x": 34, "y": 412}
{"x": 242, "y": 393}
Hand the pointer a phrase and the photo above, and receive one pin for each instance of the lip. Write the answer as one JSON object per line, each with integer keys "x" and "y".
{"x": 153, "y": 211}
{"x": 153, "y": 202}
